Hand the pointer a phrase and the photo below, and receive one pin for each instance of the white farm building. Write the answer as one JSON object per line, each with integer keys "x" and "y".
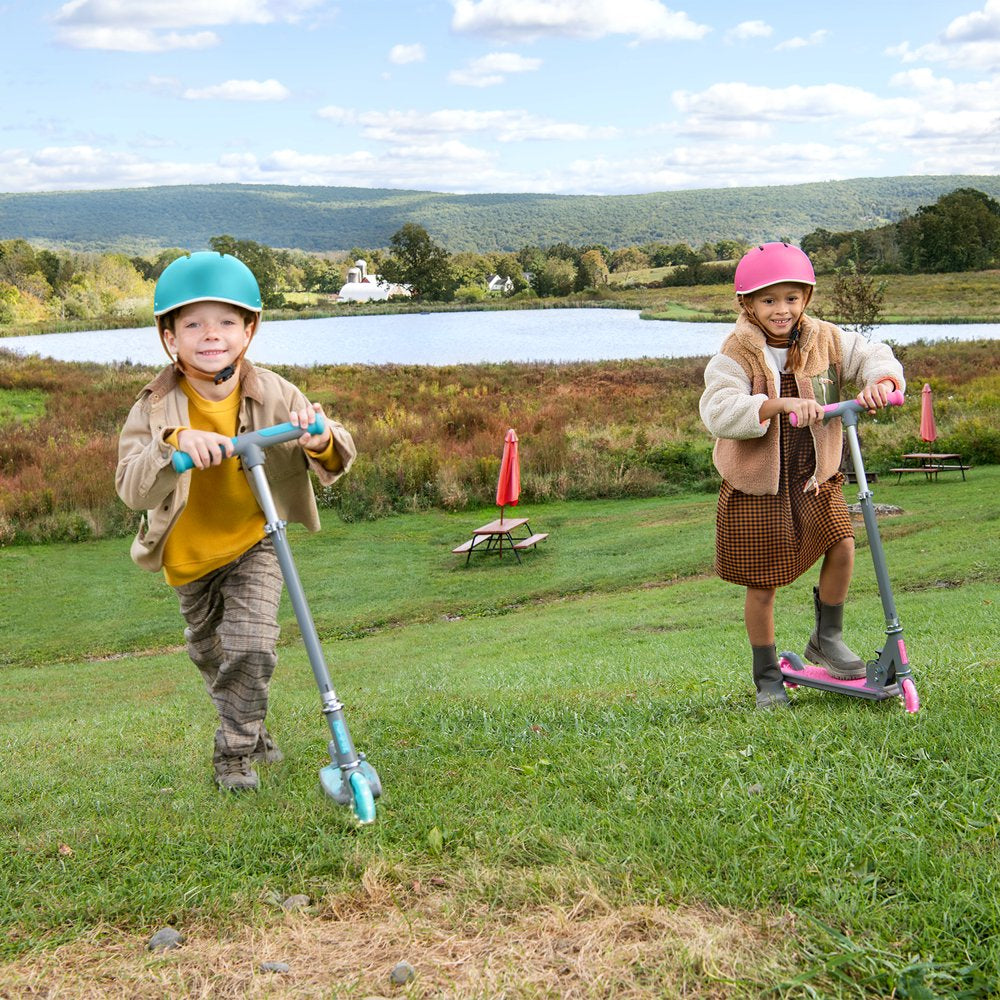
{"x": 363, "y": 287}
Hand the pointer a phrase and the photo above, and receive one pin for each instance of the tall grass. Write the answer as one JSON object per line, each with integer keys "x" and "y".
{"x": 431, "y": 437}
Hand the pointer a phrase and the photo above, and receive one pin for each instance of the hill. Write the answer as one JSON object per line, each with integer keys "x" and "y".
{"x": 335, "y": 218}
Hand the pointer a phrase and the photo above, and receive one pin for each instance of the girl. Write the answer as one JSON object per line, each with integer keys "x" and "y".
{"x": 781, "y": 506}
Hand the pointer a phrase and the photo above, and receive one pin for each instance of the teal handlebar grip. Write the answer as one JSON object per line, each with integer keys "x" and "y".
{"x": 263, "y": 438}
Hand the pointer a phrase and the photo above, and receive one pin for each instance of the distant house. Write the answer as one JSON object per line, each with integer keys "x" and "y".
{"x": 363, "y": 287}
{"x": 498, "y": 285}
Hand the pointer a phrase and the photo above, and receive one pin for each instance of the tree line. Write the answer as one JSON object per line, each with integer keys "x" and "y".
{"x": 323, "y": 219}
{"x": 959, "y": 232}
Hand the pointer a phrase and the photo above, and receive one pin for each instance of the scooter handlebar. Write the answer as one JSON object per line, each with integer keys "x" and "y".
{"x": 263, "y": 438}
{"x": 895, "y": 398}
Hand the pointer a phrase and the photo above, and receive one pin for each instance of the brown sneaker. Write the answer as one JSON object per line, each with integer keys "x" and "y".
{"x": 234, "y": 774}
{"x": 266, "y": 751}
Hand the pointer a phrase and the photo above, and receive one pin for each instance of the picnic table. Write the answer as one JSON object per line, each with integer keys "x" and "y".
{"x": 930, "y": 463}
{"x": 499, "y": 535}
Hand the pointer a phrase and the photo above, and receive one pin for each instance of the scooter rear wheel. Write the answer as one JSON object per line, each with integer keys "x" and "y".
{"x": 910, "y": 698}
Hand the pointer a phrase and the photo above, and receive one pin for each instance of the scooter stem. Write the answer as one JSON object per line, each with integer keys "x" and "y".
{"x": 850, "y": 420}
{"x": 346, "y": 755}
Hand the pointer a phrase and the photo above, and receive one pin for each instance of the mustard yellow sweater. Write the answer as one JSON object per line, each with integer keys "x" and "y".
{"x": 222, "y": 519}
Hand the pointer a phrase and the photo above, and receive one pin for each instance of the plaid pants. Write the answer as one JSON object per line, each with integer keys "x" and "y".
{"x": 232, "y": 635}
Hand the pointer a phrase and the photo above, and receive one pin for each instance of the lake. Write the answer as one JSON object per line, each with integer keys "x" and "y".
{"x": 456, "y": 338}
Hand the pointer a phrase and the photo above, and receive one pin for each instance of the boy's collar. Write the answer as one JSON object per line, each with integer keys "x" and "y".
{"x": 169, "y": 377}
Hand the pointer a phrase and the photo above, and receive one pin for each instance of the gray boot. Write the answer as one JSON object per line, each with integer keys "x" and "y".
{"x": 826, "y": 647}
{"x": 266, "y": 751}
{"x": 234, "y": 773}
{"x": 767, "y": 678}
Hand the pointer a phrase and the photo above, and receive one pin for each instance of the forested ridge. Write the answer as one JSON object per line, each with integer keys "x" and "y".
{"x": 335, "y": 219}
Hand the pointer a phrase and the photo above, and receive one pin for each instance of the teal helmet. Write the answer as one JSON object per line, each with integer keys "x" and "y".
{"x": 206, "y": 276}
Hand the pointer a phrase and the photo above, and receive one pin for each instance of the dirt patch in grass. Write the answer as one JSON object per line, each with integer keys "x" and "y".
{"x": 344, "y": 949}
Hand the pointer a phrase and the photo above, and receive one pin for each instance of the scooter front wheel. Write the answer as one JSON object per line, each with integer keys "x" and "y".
{"x": 364, "y": 801}
{"x": 910, "y": 698}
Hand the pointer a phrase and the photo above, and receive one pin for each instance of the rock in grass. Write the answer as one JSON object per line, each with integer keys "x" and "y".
{"x": 275, "y": 967}
{"x": 165, "y": 939}
{"x": 298, "y": 902}
{"x": 402, "y": 973}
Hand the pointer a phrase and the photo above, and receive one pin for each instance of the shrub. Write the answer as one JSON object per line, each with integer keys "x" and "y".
{"x": 433, "y": 437}
{"x": 976, "y": 439}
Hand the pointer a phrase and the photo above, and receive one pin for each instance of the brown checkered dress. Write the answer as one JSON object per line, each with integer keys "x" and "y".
{"x": 764, "y": 542}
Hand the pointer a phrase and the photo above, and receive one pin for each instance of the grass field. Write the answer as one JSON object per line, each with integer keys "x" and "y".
{"x": 580, "y": 800}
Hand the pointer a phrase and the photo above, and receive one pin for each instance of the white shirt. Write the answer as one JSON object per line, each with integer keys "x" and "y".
{"x": 779, "y": 355}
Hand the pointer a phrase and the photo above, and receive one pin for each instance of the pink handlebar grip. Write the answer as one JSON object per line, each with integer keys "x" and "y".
{"x": 895, "y": 398}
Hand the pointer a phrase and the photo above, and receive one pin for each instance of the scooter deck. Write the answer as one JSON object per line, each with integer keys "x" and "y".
{"x": 817, "y": 677}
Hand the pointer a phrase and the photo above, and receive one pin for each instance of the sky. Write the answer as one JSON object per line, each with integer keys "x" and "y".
{"x": 463, "y": 96}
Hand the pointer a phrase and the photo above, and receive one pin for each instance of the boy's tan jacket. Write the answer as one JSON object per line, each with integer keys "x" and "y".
{"x": 145, "y": 478}
{"x": 742, "y": 376}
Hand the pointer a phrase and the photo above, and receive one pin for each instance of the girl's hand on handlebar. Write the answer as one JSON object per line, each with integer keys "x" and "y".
{"x": 807, "y": 411}
{"x": 875, "y": 396}
{"x": 303, "y": 418}
{"x": 205, "y": 447}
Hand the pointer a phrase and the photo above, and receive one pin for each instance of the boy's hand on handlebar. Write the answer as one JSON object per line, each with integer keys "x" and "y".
{"x": 807, "y": 411}
{"x": 876, "y": 396}
{"x": 303, "y": 418}
{"x": 205, "y": 447}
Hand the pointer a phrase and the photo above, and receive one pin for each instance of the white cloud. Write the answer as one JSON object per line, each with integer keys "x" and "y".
{"x": 725, "y": 102}
{"x": 402, "y": 127}
{"x": 240, "y": 90}
{"x": 454, "y": 165}
{"x": 400, "y": 55}
{"x": 919, "y": 80}
{"x": 944, "y": 94}
{"x": 718, "y": 165}
{"x": 489, "y": 70}
{"x": 338, "y": 115}
{"x": 81, "y": 168}
{"x": 417, "y": 166}
{"x": 525, "y": 20}
{"x": 746, "y": 30}
{"x": 816, "y": 38}
{"x": 134, "y": 39}
{"x": 699, "y": 128}
{"x": 978, "y": 26}
{"x": 972, "y": 40}
{"x": 182, "y": 13}
{"x": 160, "y": 25}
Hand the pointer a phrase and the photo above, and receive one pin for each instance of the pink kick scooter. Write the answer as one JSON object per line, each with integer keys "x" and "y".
{"x": 887, "y": 676}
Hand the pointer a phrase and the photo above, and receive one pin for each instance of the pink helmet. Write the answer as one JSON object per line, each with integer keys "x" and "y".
{"x": 770, "y": 264}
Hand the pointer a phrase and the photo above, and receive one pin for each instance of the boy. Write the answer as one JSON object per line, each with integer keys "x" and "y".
{"x": 205, "y": 529}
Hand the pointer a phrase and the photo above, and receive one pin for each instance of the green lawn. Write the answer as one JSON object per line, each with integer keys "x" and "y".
{"x": 578, "y": 727}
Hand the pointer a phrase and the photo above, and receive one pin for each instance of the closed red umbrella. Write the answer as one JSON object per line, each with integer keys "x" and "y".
{"x": 509, "y": 483}
{"x": 928, "y": 429}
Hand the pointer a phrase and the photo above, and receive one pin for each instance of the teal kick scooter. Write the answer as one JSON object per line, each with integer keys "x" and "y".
{"x": 348, "y": 779}
{"x": 887, "y": 676}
